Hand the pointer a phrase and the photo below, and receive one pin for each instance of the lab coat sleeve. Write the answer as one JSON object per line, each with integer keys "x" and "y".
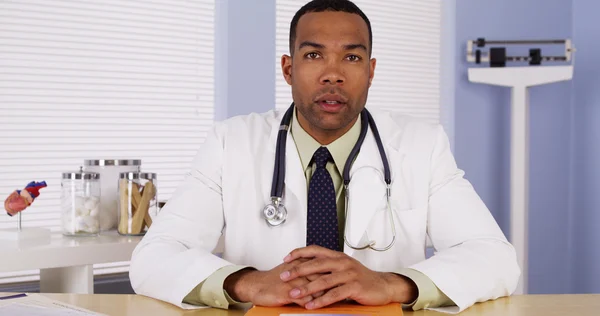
{"x": 176, "y": 253}
{"x": 473, "y": 261}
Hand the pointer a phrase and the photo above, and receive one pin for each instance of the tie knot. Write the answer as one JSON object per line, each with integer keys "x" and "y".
{"x": 321, "y": 157}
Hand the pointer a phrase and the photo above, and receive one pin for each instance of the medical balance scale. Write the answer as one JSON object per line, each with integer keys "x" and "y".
{"x": 519, "y": 79}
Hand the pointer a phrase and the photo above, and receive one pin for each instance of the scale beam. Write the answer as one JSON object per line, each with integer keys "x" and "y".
{"x": 497, "y": 57}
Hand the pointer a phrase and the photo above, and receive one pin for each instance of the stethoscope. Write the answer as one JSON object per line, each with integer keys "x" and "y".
{"x": 275, "y": 212}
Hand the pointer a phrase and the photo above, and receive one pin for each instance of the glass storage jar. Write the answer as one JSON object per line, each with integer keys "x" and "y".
{"x": 109, "y": 170}
{"x": 80, "y": 201}
{"x": 137, "y": 202}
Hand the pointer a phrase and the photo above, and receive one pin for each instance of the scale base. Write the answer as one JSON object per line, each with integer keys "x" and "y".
{"x": 26, "y": 233}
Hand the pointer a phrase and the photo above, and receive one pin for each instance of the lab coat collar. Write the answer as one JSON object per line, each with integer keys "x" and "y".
{"x": 389, "y": 130}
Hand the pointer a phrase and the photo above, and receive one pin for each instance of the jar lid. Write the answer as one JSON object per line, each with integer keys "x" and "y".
{"x": 113, "y": 162}
{"x": 137, "y": 175}
{"x": 78, "y": 175}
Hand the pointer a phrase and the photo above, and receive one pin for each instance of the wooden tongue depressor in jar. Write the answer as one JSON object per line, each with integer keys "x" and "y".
{"x": 137, "y": 203}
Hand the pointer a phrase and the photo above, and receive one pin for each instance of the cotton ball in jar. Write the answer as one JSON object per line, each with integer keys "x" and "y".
{"x": 93, "y": 205}
{"x": 91, "y": 223}
{"x": 90, "y": 203}
{"x": 83, "y": 212}
{"x": 78, "y": 202}
{"x": 80, "y": 224}
{"x": 94, "y": 212}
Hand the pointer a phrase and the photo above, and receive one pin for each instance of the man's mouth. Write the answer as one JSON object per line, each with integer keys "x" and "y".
{"x": 331, "y": 106}
{"x": 327, "y": 102}
{"x": 331, "y": 102}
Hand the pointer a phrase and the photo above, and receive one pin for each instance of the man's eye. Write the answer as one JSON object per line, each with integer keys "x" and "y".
{"x": 353, "y": 58}
{"x": 312, "y": 55}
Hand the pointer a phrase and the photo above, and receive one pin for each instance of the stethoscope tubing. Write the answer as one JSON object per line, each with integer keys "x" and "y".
{"x": 279, "y": 169}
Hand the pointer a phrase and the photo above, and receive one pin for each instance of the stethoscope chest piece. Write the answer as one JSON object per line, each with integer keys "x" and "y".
{"x": 275, "y": 213}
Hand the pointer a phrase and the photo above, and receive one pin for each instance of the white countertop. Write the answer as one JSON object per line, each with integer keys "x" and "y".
{"x": 62, "y": 251}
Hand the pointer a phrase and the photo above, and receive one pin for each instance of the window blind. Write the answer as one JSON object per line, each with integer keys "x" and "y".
{"x": 406, "y": 44}
{"x": 100, "y": 79}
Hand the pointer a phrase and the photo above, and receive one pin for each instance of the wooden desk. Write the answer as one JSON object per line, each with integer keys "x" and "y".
{"x": 522, "y": 305}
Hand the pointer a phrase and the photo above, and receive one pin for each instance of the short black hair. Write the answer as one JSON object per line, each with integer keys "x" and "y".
{"x": 328, "y": 5}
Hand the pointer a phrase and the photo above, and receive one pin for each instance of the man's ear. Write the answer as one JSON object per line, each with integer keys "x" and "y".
{"x": 286, "y": 68}
{"x": 372, "y": 64}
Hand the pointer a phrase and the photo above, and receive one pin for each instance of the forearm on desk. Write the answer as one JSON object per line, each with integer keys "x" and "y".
{"x": 211, "y": 292}
{"x": 429, "y": 295}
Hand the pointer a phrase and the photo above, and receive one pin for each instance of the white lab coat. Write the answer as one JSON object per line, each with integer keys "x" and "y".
{"x": 230, "y": 183}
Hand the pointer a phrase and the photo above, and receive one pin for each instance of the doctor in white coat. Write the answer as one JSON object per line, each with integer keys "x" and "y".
{"x": 330, "y": 70}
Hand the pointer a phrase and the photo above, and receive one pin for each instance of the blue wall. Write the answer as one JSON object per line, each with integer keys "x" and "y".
{"x": 585, "y": 215}
{"x": 482, "y": 131}
{"x": 244, "y": 57}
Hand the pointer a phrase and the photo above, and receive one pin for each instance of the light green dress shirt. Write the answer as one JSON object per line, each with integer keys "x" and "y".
{"x": 210, "y": 291}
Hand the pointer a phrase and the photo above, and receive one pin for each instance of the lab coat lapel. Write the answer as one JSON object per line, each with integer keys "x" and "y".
{"x": 367, "y": 190}
{"x": 295, "y": 191}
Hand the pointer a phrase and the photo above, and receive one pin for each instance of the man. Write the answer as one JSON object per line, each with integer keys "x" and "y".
{"x": 310, "y": 259}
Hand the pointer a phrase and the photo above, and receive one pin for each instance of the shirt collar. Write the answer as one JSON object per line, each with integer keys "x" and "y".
{"x": 340, "y": 148}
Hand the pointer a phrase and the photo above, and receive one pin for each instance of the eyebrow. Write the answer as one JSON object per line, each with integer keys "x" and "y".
{"x": 321, "y": 46}
{"x": 311, "y": 44}
{"x": 355, "y": 46}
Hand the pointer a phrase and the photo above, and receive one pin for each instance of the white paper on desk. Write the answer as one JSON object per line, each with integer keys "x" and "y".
{"x": 18, "y": 309}
{"x": 38, "y": 305}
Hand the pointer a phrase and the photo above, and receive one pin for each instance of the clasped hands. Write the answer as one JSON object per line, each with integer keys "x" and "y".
{"x": 315, "y": 277}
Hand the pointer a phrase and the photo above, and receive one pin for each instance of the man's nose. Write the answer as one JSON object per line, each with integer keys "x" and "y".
{"x": 333, "y": 75}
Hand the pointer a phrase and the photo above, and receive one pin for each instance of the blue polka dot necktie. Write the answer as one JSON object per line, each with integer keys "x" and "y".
{"x": 322, "y": 221}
